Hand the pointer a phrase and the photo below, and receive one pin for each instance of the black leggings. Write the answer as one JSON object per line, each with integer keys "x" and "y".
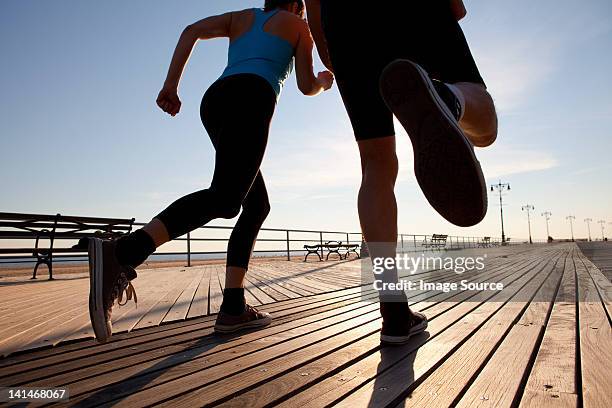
{"x": 236, "y": 112}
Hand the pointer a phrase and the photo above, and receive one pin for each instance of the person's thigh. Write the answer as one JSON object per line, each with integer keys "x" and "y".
{"x": 240, "y": 137}
{"x": 363, "y": 40}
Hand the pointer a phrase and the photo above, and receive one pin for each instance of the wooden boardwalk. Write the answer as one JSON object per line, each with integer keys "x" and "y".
{"x": 600, "y": 253}
{"x": 544, "y": 341}
{"x": 46, "y": 313}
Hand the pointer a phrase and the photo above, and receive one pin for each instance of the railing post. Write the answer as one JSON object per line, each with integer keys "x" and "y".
{"x": 321, "y": 242}
{"x": 348, "y": 239}
{"x": 288, "y": 249}
{"x": 402, "y": 239}
{"x": 414, "y": 238}
{"x": 188, "y": 249}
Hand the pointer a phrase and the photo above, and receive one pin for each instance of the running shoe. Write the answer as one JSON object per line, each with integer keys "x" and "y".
{"x": 249, "y": 319}
{"x": 400, "y": 323}
{"x": 108, "y": 282}
{"x": 445, "y": 165}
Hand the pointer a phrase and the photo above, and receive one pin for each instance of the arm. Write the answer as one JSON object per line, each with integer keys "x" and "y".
{"x": 313, "y": 7}
{"x": 307, "y": 82}
{"x": 458, "y": 9}
{"x": 211, "y": 27}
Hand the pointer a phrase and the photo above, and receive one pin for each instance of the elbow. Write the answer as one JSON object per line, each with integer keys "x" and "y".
{"x": 307, "y": 91}
{"x": 190, "y": 32}
{"x": 308, "y": 87}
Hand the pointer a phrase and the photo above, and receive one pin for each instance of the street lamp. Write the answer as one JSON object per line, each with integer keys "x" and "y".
{"x": 528, "y": 208}
{"x": 547, "y": 215}
{"x": 571, "y": 218}
{"x": 588, "y": 223}
{"x": 603, "y": 234}
{"x": 501, "y": 187}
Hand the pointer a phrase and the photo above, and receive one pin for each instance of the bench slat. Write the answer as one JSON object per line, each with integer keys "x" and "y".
{"x": 47, "y": 217}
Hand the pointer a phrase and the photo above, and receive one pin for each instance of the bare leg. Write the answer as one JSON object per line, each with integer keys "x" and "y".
{"x": 377, "y": 205}
{"x": 234, "y": 277}
{"x": 157, "y": 231}
{"x": 479, "y": 120}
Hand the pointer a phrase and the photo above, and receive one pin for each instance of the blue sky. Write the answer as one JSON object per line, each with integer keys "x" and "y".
{"x": 80, "y": 132}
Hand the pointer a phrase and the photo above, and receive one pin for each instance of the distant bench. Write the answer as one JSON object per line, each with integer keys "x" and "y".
{"x": 39, "y": 227}
{"x": 332, "y": 247}
{"x": 485, "y": 242}
{"x": 436, "y": 241}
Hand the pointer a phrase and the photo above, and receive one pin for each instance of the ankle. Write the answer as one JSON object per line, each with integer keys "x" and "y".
{"x": 133, "y": 249}
{"x": 233, "y": 301}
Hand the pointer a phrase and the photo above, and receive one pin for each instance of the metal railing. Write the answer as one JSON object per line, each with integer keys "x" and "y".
{"x": 272, "y": 242}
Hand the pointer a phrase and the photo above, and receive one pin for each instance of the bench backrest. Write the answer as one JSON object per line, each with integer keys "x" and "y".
{"x": 439, "y": 237}
{"x": 24, "y": 226}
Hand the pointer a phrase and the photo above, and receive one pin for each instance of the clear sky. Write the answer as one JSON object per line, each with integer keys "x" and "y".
{"x": 80, "y": 132}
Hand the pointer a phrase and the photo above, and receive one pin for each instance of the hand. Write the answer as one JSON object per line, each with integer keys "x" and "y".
{"x": 458, "y": 9}
{"x": 169, "y": 101}
{"x": 325, "y": 79}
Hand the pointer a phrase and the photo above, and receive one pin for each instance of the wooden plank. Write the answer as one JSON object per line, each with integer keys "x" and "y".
{"x": 199, "y": 305}
{"x": 50, "y": 357}
{"x": 498, "y": 382}
{"x": 463, "y": 318}
{"x": 270, "y": 291}
{"x": 215, "y": 294}
{"x": 270, "y": 391}
{"x": 127, "y": 317}
{"x": 294, "y": 283}
{"x": 197, "y": 370}
{"x": 553, "y": 375}
{"x": 444, "y": 385}
{"x": 180, "y": 308}
{"x": 271, "y": 282}
{"x": 391, "y": 384}
{"x": 595, "y": 337}
{"x": 74, "y": 365}
{"x": 113, "y": 364}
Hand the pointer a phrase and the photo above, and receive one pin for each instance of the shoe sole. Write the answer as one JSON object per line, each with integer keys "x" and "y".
{"x": 396, "y": 340}
{"x": 445, "y": 165}
{"x": 223, "y": 329}
{"x": 96, "y": 279}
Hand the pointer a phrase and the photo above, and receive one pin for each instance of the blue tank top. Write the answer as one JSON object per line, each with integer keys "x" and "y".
{"x": 261, "y": 53}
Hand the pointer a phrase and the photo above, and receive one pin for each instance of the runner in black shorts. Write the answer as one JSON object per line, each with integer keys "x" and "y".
{"x": 409, "y": 59}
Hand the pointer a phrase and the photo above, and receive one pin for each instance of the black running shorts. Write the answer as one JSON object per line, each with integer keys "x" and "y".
{"x": 364, "y": 37}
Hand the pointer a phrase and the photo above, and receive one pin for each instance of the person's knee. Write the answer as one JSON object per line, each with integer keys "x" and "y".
{"x": 379, "y": 160}
{"x": 487, "y": 132}
{"x": 227, "y": 205}
{"x": 257, "y": 208}
{"x": 261, "y": 209}
{"x": 480, "y": 117}
{"x": 229, "y": 211}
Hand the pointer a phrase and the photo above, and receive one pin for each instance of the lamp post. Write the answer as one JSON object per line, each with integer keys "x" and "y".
{"x": 501, "y": 187}
{"x": 588, "y": 223}
{"x": 528, "y": 208}
{"x": 603, "y": 232}
{"x": 571, "y": 219}
{"x": 547, "y": 215}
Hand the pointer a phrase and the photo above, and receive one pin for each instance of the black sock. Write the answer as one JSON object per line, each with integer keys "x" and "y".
{"x": 135, "y": 248}
{"x": 233, "y": 301}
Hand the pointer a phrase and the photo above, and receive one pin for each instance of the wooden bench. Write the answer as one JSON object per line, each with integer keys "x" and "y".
{"x": 38, "y": 227}
{"x": 332, "y": 247}
{"x": 485, "y": 242}
{"x": 436, "y": 241}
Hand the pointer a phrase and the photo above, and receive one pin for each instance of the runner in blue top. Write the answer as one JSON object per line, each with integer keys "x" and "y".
{"x": 236, "y": 112}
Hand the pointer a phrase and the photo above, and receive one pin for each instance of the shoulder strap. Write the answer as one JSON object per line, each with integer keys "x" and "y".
{"x": 262, "y": 17}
